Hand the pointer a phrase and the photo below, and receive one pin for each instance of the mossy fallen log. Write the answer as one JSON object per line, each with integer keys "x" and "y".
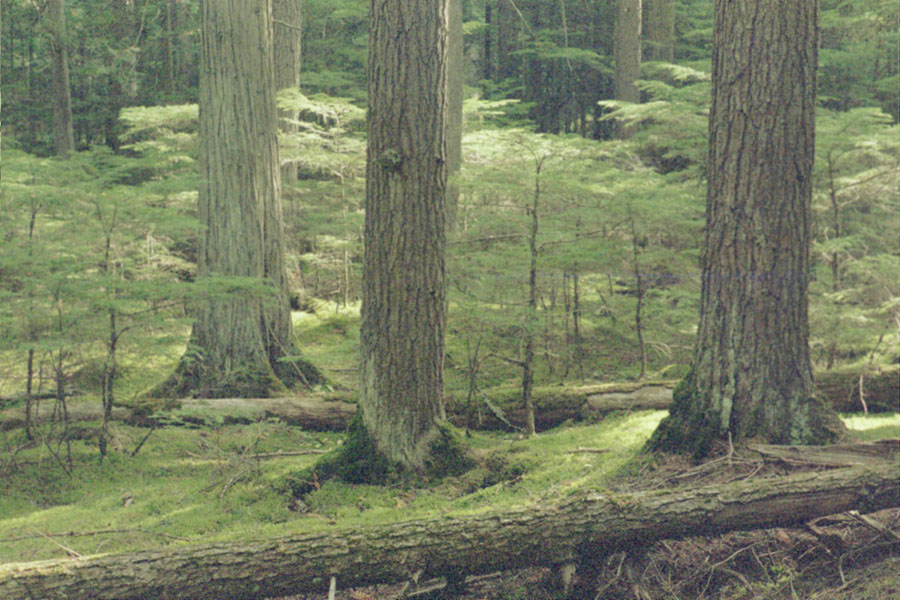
{"x": 554, "y": 404}
{"x": 586, "y": 526}
{"x": 880, "y": 387}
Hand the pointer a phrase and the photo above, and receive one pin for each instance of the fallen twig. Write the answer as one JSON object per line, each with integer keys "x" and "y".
{"x": 68, "y": 550}
{"x": 93, "y": 533}
{"x": 875, "y": 525}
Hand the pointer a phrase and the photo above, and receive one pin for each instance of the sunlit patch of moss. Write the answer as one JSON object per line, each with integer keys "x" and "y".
{"x": 870, "y": 427}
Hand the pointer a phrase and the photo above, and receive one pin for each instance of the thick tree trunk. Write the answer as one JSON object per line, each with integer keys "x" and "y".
{"x": 752, "y": 375}
{"x": 627, "y": 47}
{"x": 404, "y": 303}
{"x": 589, "y": 526}
{"x": 659, "y": 30}
{"x": 237, "y": 336}
{"x": 62, "y": 92}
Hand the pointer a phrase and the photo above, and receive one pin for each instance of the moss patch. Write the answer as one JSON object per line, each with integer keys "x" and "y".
{"x": 358, "y": 461}
{"x": 448, "y": 454}
{"x": 192, "y": 379}
{"x": 687, "y": 429}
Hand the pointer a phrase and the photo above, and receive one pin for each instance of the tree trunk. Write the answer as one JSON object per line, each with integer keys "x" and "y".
{"x": 287, "y": 15}
{"x": 170, "y": 49}
{"x": 639, "y": 293}
{"x": 62, "y": 92}
{"x": 628, "y": 56}
{"x": 531, "y": 315}
{"x": 506, "y": 26}
{"x": 237, "y": 336}
{"x": 659, "y": 30}
{"x": 404, "y": 304}
{"x": 488, "y": 66}
{"x": 455, "y": 71}
{"x": 588, "y": 525}
{"x": 751, "y": 374}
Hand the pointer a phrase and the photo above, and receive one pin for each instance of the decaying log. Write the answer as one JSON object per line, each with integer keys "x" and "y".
{"x": 881, "y": 388}
{"x": 839, "y": 455}
{"x": 314, "y": 413}
{"x": 553, "y": 404}
{"x": 588, "y": 525}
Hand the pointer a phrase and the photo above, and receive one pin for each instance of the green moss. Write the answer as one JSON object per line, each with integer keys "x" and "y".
{"x": 192, "y": 379}
{"x": 355, "y": 461}
{"x": 500, "y": 467}
{"x": 293, "y": 370}
{"x": 687, "y": 429}
{"x": 449, "y": 454}
{"x": 358, "y": 461}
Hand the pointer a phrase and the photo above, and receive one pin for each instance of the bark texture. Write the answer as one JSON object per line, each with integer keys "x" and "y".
{"x": 589, "y": 525}
{"x": 659, "y": 30}
{"x": 62, "y": 92}
{"x": 627, "y": 48}
{"x": 404, "y": 304}
{"x": 752, "y": 375}
{"x": 238, "y": 338}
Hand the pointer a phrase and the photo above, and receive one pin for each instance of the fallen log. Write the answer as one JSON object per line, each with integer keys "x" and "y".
{"x": 880, "y": 387}
{"x": 838, "y": 455}
{"x": 554, "y": 405}
{"x": 588, "y": 526}
{"x": 313, "y": 413}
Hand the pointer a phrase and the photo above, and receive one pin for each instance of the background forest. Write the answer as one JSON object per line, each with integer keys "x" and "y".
{"x": 112, "y": 229}
{"x": 582, "y": 185}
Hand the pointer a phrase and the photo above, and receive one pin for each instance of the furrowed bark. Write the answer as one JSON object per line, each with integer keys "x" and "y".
{"x": 589, "y": 525}
{"x": 403, "y": 313}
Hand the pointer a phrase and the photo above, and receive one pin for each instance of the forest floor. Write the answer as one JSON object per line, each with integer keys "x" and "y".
{"x": 840, "y": 557}
{"x": 205, "y": 480}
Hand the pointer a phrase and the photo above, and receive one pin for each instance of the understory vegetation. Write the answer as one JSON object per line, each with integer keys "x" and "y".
{"x": 99, "y": 285}
{"x": 198, "y": 479}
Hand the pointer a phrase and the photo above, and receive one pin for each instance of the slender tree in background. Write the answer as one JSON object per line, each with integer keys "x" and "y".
{"x": 488, "y": 67}
{"x": 287, "y": 22}
{"x": 238, "y": 340}
{"x": 659, "y": 30}
{"x": 62, "y": 93}
{"x": 628, "y": 55}
{"x": 169, "y": 77}
{"x": 455, "y": 101}
{"x": 751, "y": 375}
{"x": 404, "y": 304}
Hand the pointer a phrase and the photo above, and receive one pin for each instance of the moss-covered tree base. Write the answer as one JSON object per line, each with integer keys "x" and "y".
{"x": 359, "y": 461}
{"x": 193, "y": 380}
{"x": 294, "y": 370}
{"x": 692, "y": 428}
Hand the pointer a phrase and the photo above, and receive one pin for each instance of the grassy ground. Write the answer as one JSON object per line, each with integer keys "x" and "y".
{"x": 222, "y": 482}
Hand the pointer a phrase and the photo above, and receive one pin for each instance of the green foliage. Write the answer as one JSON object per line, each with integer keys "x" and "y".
{"x": 674, "y": 119}
{"x": 860, "y": 55}
{"x": 855, "y": 252}
{"x": 85, "y": 245}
